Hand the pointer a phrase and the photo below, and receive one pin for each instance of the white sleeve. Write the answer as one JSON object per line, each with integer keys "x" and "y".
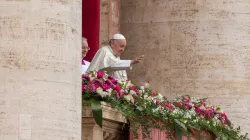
{"x": 121, "y": 65}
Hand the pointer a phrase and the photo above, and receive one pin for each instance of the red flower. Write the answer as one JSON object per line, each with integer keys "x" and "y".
{"x": 85, "y": 77}
{"x": 185, "y": 100}
{"x": 117, "y": 95}
{"x": 188, "y": 106}
{"x": 83, "y": 88}
{"x": 197, "y": 110}
{"x": 178, "y": 104}
{"x": 105, "y": 87}
{"x": 170, "y": 107}
{"x": 132, "y": 87}
{"x": 153, "y": 94}
{"x": 99, "y": 74}
{"x": 117, "y": 88}
{"x": 203, "y": 103}
{"x": 208, "y": 117}
{"x": 121, "y": 93}
{"x": 157, "y": 102}
{"x": 90, "y": 87}
{"x": 96, "y": 86}
{"x": 114, "y": 81}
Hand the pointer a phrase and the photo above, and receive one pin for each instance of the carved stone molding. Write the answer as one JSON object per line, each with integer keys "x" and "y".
{"x": 112, "y": 128}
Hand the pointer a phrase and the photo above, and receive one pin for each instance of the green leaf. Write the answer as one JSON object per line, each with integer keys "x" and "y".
{"x": 180, "y": 124}
{"x": 178, "y": 132}
{"x": 97, "y": 111}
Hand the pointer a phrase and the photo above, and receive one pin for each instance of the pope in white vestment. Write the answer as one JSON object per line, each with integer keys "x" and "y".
{"x": 108, "y": 59}
{"x": 105, "y": 60}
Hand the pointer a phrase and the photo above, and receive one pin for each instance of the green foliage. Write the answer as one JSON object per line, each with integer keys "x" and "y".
{"x": 97, "y": 111}
{"x": 145, "y": 109}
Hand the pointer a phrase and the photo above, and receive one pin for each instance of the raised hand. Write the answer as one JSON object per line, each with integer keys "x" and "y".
{"x": 137, "y": 60}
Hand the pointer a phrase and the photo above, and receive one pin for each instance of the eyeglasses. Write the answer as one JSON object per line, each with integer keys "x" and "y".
{"x": 86, "y": 48}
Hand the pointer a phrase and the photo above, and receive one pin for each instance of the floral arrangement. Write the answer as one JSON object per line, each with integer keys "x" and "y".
{"x": 141, "y": 105}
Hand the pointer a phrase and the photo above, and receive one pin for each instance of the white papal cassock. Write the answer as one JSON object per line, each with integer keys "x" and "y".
{"x": 105, "y": 60}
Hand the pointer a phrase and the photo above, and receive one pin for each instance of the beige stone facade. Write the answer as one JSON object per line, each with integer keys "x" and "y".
{"x": 40, "y": 55}
{"x": 110, "y": 20}
{"x": 195, "y": 47}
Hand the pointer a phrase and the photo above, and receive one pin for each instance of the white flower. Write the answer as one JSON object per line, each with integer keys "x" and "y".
{"x": 187, "y": 115}
{"x": 140, "y": 91}
{"x": 157, "y": 109}
{"x": 154, "y": 101}
{"x": 132, "y": 92}
{"x": 109, "y": 90}
{"x": 139, "y": 108}
{"x": 160, "y": 97}
{"x": 129, "y": 98}
{"x": 142, "y": 87}
{"x": 99, "y": 90}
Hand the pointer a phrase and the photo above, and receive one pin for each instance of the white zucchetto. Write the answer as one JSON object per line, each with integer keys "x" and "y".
{"x": 118, "y": 36}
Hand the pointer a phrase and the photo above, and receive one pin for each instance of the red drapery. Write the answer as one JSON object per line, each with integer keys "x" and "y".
{"x": 91, "y": 25}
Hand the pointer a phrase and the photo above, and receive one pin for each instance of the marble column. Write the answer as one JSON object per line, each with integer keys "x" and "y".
{"x": 40, "y": 57}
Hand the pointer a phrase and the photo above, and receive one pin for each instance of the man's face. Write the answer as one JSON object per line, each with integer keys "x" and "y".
{"x": 85, "y": 48}
{"x": 118, "y": 46}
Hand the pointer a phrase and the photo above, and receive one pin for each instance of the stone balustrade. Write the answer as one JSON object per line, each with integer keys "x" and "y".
{"x": 113, "y": 125}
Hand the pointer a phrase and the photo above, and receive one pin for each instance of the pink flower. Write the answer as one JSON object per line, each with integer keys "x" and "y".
{"x": 224, "y": 115}
{"x": 203, "y": 103}
{"x": 105, "y": 87}
{"x": 153, "y": 94}
{"x": 132, "y": 87}
{"x": 117, "y": 88}
{"x": 178, "y": 104}
{"x": 96, "y": 86}
{"x": 90, "y": 87}
{"x": 114, "y": 81}
{"x": 99, "y": 74}
{"x": 226, "y": 120}
{"x": 111, "y": 78}
{"x": 203, "y": 112}
{"x": 97, "y": 81}
{"x": 170, "y": 107}
{"x": 157, "y": 102}
{"x": 208, "y": 117}
{"x": 83, "y": 88}
{"x": 185, "y": 100}
{"x": 188, "y": 106}
{"x": 85, "y": 77}
{"x": 109, "y": 82}
{"x": 197, "y": 110}
{"x": 121, "y": 93}
{"x": 117, "y": 96}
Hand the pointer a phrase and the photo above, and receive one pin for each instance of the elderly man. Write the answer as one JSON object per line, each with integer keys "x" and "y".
{"x": 108, "y": 59}
{"x": 85, "y": 49}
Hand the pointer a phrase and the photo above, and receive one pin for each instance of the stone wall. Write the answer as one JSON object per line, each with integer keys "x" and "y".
{"x": 110, "y": 20}
{"x": 40, "y": 55}
{"x": 114, "y": 125}
{"x": 195, "y": 47}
